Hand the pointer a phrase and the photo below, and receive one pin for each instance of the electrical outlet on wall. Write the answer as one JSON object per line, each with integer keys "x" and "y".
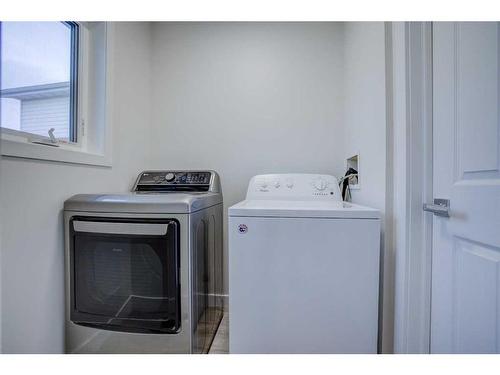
{"x": 353, "y": 162}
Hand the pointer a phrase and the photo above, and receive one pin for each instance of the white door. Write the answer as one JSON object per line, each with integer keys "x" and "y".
{"x": 466, "y": 246}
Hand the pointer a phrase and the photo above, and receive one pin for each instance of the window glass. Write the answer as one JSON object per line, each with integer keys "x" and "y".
{"x": 37, "y": 79}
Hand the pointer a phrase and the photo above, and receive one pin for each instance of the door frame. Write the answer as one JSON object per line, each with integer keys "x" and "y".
{"x": 410, "y": 91}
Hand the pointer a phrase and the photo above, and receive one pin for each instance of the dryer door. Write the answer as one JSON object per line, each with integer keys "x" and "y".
{"x": 125, "y": 274}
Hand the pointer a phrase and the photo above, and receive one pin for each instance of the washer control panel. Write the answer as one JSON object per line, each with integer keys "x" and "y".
{"x": 295, "y": 186}
{"x": 168, "y": 181}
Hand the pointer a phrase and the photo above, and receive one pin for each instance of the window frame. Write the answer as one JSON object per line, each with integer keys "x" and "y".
{"x": 94, "y": 78}
{"x": 75, "y": 66}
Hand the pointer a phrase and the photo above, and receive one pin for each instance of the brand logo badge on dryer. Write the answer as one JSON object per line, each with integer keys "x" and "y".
{"x": 242, "y": 228}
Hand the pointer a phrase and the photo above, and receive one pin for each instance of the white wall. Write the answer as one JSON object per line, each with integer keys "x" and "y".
{"x": 366, "y": 132}
{"x": 248, "y": 98}
{"x": 32, "y": 198}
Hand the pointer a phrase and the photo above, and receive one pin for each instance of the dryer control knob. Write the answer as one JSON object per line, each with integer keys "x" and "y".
{"x": 289, "y": 183}
{"x": 277, "y": 184}
{"x": 170, "y": 177}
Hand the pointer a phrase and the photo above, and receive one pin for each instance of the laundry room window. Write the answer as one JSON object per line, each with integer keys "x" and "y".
{"x": 39, "y": 80}
{"x": 53, "y": 97}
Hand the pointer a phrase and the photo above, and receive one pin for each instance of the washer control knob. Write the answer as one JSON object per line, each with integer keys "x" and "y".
{"x": 289, "y": 183}
{"x": 277, "y": 184}
{"x": 320, "y": 184}
{"x": 170, "y": 177}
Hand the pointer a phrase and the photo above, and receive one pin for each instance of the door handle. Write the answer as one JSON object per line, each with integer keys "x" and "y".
{"x": 102, "y": 227}
{"x": 441, "y": 207}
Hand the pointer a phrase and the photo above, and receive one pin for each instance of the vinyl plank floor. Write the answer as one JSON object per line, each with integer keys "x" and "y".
{"x": 220, "y": 345}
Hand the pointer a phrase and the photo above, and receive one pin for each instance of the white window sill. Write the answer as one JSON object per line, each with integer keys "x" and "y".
{"x": 64, "y": 153}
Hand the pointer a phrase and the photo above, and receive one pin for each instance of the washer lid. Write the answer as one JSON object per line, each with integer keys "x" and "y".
{"x": 171, "y": 203}
{"x": 311, "y": 209}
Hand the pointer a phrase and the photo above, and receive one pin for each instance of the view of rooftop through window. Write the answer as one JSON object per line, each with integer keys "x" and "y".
{"x": 35, "y": 77}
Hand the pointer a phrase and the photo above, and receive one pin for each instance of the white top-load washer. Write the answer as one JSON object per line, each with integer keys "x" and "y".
{"x": 303, "y": 268}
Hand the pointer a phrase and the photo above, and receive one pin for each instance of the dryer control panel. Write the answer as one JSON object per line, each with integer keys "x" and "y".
{"x": 175, "y": 181}
{"x": 295, "y": 186}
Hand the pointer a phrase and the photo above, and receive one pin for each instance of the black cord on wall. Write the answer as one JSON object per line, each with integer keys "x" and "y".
{"x": 346, "y": 192}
